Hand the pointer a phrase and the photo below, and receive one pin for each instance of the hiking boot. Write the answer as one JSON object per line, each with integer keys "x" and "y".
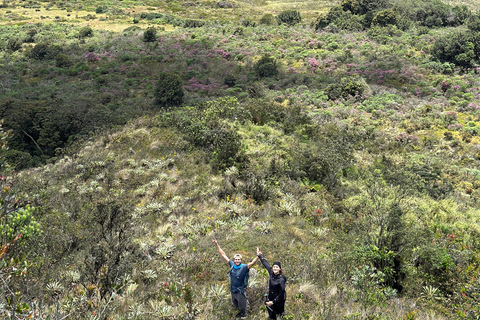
{"x": 240, "y": 316}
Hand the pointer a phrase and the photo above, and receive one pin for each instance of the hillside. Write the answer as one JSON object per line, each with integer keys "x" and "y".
{"x": 340, "y": 138}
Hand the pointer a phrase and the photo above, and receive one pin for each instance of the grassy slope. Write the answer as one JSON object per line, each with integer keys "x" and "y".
{"x": 178, "y": 204}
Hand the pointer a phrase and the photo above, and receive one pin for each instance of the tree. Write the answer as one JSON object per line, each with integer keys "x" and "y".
{"x": 169, "y": 90}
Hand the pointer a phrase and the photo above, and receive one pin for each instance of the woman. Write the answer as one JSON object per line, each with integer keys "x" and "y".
{"x": 276, "y": 288}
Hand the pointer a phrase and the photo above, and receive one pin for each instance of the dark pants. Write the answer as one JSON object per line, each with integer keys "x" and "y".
{"x": 274, "y": 312}
{"x": 239, "y": 301}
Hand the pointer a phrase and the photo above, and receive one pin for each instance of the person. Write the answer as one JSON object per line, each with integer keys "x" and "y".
{"x": 238, "y": 280}
{"x": 276, "y": 288}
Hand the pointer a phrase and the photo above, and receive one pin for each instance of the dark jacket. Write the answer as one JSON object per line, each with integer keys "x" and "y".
{"x": 276, "y": 288}
{"x": 237, "y": 277}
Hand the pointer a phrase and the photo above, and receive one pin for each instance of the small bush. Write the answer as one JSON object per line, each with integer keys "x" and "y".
{"x": 14, "y": 44}
{"x": 248, "y": 23}
{"x": 100, "y": 9}
{"x": 62, "y": 61}
{"x": 266, "y": 67}
{"x": 268, "y": 19}
{"x": 353, "y": 86}
{"x": 85, "y": 32}
{"x": 43, "y": 51}
{"x": 289, "y": 17}
{"x": 191, "y": 23}
{"x": 169, "y": 90}
{"x": 230, "y": 80}
{"x": 150, "y": 35}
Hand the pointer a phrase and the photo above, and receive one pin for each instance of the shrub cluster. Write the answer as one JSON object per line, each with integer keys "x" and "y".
{"x": 169, "y": 90}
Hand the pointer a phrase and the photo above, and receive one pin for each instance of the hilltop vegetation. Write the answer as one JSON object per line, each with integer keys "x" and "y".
{"x": 343, "y": 140}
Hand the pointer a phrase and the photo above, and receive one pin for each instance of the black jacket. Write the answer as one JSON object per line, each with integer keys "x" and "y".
{"x": 276, "y": 288}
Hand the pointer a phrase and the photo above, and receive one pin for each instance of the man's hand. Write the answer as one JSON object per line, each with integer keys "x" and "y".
{"x": 269, "y": 303}
{"x": 258, "y": 251}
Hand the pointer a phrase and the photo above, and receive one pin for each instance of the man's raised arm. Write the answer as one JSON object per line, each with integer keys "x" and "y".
{"x": 222, "y": 253}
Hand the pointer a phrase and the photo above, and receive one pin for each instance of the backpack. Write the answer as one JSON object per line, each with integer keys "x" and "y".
{"x": 245, "y": 280}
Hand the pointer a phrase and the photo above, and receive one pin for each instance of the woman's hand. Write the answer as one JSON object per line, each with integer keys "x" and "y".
{"x": 269, "y": 303}
{"x": 258, "y": 251}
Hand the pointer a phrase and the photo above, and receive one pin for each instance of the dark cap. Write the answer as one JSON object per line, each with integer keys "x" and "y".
{"x": 276, "y": 263}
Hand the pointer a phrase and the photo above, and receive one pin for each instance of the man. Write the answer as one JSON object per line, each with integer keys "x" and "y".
{"x": 238, "y": 273}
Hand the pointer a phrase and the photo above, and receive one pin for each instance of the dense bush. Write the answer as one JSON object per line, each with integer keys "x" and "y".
{"x": 191, "y": 23}
{"x": 85, "y": 32}
{"x": 352, "y": 86}
{"x": 268, "y": 19}
{"x": 169, "y": 90}
{"x": 62, "y": 61}
{"x": 14, "y": 44}
{"x": 430, "y": 13}
{"x": 150, "y": 35}
{"x": 473, "y": 23}
{"x": 43, "y": 51}
{"x": 384, "y": 18}
{"x": 163, "y": 17}
{"x": 361, "y": 7}
{"x": 101, "y": 9}
{"x": 341, "y": 19}
{"x": 266, "y": 67}
{"x": 459, "y": 47}
{"x": 289, "y": 17}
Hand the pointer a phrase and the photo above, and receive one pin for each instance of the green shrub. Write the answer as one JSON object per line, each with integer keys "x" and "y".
{"x": 85, "y": 32}
{"x": 100, "y": 9}
{"x": 230, "y": 80}
{"x": 62, "y": 61}
{"x": 249, "y": 23}
{"x": 360, "y": 7}
{"x": 191, "y": 23}
{"x": 384, "y": 18}
{"x": 268, "y": 19}
{"x": 14, "y": 44}
{"x": 473, "y": 23}
{"x": 461, "y": 15}
{"x": 353, "y": 86}
{"x": 435, "y": 263}
{"x": 458, "y": 47}
{"x": 430, "y": 13}
{"x": 266, "y": 67}
{"x": 18, "y": 159}
{"x": 31, "y": 35}
{"x": 338, "y": 18}
{"x": 43, "y": 51}
{"x": 169, "y": 90}
{"x": 472, "y": 128}
{"x": 150, "y": 35}
{"x": 289, "y": 17}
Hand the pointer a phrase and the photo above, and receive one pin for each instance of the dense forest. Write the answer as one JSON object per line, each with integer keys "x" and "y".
{"x": 342, "y": 138}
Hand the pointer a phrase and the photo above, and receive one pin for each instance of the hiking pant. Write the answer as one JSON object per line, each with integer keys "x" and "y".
{"x": 272, "y": 314}
{"x": 239, "y": 301}
{"x": 275, "y": 311}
